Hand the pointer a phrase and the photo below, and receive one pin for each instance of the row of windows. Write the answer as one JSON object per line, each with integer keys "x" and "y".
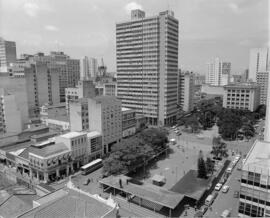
{"x": 251, "y": 210}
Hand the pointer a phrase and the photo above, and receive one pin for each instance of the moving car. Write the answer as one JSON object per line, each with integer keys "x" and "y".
{"x": 218, "y": 186}
{"x": 225, "y": 188}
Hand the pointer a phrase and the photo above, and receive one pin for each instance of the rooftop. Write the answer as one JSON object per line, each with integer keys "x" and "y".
{"x": 147, "y": 191}
{"x": 242, "y": 85}
{"x": 49, "y": 150}
{"x": 60, "y": 117}
{"x": 104, "y": 98}
{"x": 68, "y": 204}
{"x": 258, "y": 157}
{"x": 190, "y": 185}
{"x": 93, "y": 134}
{"x": 72, "y": 135}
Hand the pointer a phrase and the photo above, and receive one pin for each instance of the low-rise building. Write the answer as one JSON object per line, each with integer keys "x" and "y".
{"x": 128, "y": 122}
{"x": 244, "y": 96}
{"x": 77, "y": 144}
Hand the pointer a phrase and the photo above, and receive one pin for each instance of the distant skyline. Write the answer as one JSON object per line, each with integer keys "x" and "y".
{"x": 207, "y": 28}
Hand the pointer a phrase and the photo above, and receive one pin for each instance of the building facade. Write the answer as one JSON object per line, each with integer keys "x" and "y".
{"x": 258, "y": 62}
{"x": 186, "y": 85}
{"x": 8, "y": 55}
{"x": 218, "y": 72}
{"x": 262, "y": 81}
{"x": 147, "y": 65}
{"x": 94, "y": 147}
{"x": 69, "y": 69}
{"x": 244, "y": 96}
{"x": 84, "y": 89}
{"x": 88, "y": 68}
{"x": 128, "y": 122}
{"x": 10, "y": 115}
{"x": 42, "y": 85}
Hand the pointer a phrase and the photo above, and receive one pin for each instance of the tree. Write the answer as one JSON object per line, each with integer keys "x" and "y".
{"x": 202, "y": 173}
{"x": 209, "y": 165}
{"x": 193, "y": 123}
{"x": 219, "y": 148}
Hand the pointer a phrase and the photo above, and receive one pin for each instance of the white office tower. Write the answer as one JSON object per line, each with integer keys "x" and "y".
{"x": 147, "y": 65}
{"x": 88, "y": 68}
{"x": 258, "y": 62}
{"x": 218, "y": 72}
{"x": 254, "y": 198}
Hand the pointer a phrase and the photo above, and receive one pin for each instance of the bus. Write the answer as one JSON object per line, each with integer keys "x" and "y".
{"x": 92, "y": 166}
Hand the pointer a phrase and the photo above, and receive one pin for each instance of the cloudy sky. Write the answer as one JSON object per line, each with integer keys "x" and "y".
{"x": 207, "y": 28}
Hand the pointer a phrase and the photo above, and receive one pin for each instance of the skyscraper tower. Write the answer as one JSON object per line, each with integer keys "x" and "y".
{"x": 147, "y": 65}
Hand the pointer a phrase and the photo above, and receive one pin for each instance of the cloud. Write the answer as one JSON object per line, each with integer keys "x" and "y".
{"x": 132, "y": 6}
{"x": 51, "y": 28}
{"x": 31, "y": 9}
{"x": 234, "y": 7}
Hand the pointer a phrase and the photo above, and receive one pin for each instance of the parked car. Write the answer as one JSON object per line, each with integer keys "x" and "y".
{"x": 225, "y": 188}
{"x": 87, "y": 181}
{"x": 229, "y": 170}
{"x": 236, "y": 194}
{"x": 226, "y": 213}
{"x": 218, "y": 186}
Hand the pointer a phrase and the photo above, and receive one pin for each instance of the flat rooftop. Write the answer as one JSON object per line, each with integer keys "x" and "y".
{"x": 191, "y": 186}
{"x": 70, "y": 204}
{"x": 258, "y": 157}
{"x": 146, "y": 191}
{"x": 242, "y": 85}
{"x": 49, "y": 150}
{"x": 93, "y": 134}
{"x": 72, "y": 134}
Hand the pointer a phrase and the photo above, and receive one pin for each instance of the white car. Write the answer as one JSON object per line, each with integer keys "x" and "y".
{"x": 218, "y": 186}
{"x": 225, "y": 188}
{"x": 229, "y": 170}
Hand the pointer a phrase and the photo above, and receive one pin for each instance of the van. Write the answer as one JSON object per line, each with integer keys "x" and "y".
{"x": 209, "y": 200}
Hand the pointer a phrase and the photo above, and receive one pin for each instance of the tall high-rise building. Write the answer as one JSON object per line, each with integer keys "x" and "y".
{"x": 258, "y": 62}
{"x": 218, "y": 72}
{"x": 88, "y": 68}
{"x": 42, "y": 86}
{"x": 255, "y": 179}
{"x": 69, "y": 69}
{"x": 8, "y": 54}
{"x": 186, "y": 83}
{"x": 147, "y": 65}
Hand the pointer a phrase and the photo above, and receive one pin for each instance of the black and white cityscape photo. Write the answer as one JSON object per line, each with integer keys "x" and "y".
{"x": 134, "y": 108}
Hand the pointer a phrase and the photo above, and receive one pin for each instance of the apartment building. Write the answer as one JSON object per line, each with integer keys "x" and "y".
{"x": 42, "y": 86}
{"x": 107, "y": 88}
{"x": 78, "y": 115}
{"x": 8, "y": 55}
{"x": 69, "y": 69}
{"x": 147, "y": 65}
{"x": 10, "y": 115}
{"x": 128, "y": 122}
{"x": 218, "y": 72}
{"x": 186, "y": 85}
{"x": 244, "y": 96}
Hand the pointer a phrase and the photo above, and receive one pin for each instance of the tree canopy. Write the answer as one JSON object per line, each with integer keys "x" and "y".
{"x": 132, "y": 152}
